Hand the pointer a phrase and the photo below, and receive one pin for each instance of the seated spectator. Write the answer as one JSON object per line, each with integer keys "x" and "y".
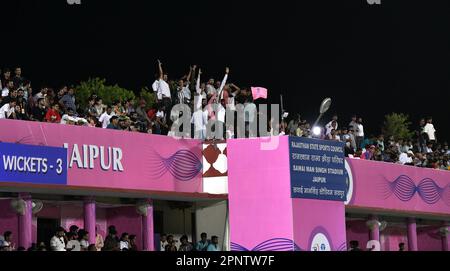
{"x": 111, "y": 241}
{"x": 214, "y": 245}
{"x": 114, "y": 123}
{"x": 39, "y": 111}
{"x": 185, "y": 245}
{"x": 406, "y": 158}
{"x": 369, "y": 153}
{"x": 53, "y": 115}
{"x": 170, "y": 244}
{"x": 83, "y": 237}
{"x": 8, "y": 110}
{"x": 98, "y": 240}
{"x": 401, "y": 247}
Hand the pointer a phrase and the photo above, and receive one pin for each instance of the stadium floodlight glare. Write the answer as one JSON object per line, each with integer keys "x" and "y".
{"x": 317, "y": 131}
{"x": 324, "y": 106}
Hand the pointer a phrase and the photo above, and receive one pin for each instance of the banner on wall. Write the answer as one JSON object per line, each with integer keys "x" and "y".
{"x": 317, "y": 169}
{"x": 33, "y": 164}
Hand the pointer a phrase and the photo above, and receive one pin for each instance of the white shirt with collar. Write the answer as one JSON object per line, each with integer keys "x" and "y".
{"x": 5, "y": 92}
{"x": 6, "y": 111}
{"x": 57, "y": 244}
{"x": 105, "y": 119}
{"x": 164, "y": 89}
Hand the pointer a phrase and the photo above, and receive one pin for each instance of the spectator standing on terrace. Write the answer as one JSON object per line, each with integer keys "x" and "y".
{"x": 163, "y": 242}
{"x": 98, "y": 240}
{"x": 8, "y": 110}
{"x": 214, "y": 245}
{"x": 73, "y": 244}
{"x": 111, "y": 241}
{"x": 68, "y": 100}
{"x": 53, "y": 115}
{"x": 185, "y": 245}
{"x": 41, "y": 94}
{"x": 83, "y": 236}
{"x": 430, "y": 131}
{"x": 6, "y": 77}
{"x": 114, "y": 124}
{"x": 6, "y": 244}
{"x": 99, "y": 106}
{"x": 57, "y": 242}
{"x": 124, "y": 241}
{"x": 359, "y": 133}
{"x": 18, "y": 78}
{"x": 203, "y": 244}
{"x": 380, "y": 142}
{"x": 353, "y": 123}
{"x": 162, "y": 89}
{"x": 332, "y": 124}
{"x": 293, "y": 125}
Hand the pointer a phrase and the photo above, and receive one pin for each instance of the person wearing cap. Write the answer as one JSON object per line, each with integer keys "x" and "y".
{"x": 114, "y": 123}
{"x": 406, "y": 158}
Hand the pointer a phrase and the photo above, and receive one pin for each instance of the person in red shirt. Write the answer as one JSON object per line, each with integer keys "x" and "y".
{"x": 53, "y": 115}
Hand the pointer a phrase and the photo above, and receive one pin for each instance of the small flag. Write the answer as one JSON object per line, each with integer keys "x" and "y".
{"x": 259, "y": 92}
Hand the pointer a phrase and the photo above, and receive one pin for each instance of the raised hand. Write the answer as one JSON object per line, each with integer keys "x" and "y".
{"x": 227, "y": 70}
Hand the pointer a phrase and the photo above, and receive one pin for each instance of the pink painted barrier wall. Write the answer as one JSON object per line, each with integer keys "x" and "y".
{"x": 399, "y": 188}
{"x": 263, "y": 216}
{"x": 130, "y": 160}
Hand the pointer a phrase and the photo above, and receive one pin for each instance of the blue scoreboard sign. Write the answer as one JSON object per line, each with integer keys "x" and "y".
{"x": 317, "y": 169}
{"x": 33, "y": 164}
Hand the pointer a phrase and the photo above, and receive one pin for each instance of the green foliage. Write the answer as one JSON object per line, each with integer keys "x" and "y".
{"x": 98, "y": 86}
{"x": 397, "y": 125}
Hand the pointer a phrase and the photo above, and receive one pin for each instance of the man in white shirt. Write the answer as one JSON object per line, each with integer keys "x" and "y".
{"x": 333, "y": 124}
{"x": 57, "y": 242}
{"x": 9, "y": 87}
{"x": 406, "y": 158}
{"x": 106, "y": 117}
{"x": 73, "y": 244}
{"x": 429, "y": 130}
{"x": 200, "y": 119}
{"x": 359, "y": 133}
{"x": 8, "y": 109}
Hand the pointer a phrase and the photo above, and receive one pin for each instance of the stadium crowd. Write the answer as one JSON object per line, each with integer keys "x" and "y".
{"x": 78, "y": 240}
{"x": 18, "y": 101}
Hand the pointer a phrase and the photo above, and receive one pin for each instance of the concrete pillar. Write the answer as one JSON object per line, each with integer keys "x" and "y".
{"x": 374, "y": 233}
{"x": 412, "y": 234}
{"x": 25, "y": 222}
{"x": 90, "y": 218}
{"x": 148, "y": 228}
{"x": 446, "y": 237}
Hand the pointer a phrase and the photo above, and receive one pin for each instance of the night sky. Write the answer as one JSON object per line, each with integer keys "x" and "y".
{"x": 370, "y": 59}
